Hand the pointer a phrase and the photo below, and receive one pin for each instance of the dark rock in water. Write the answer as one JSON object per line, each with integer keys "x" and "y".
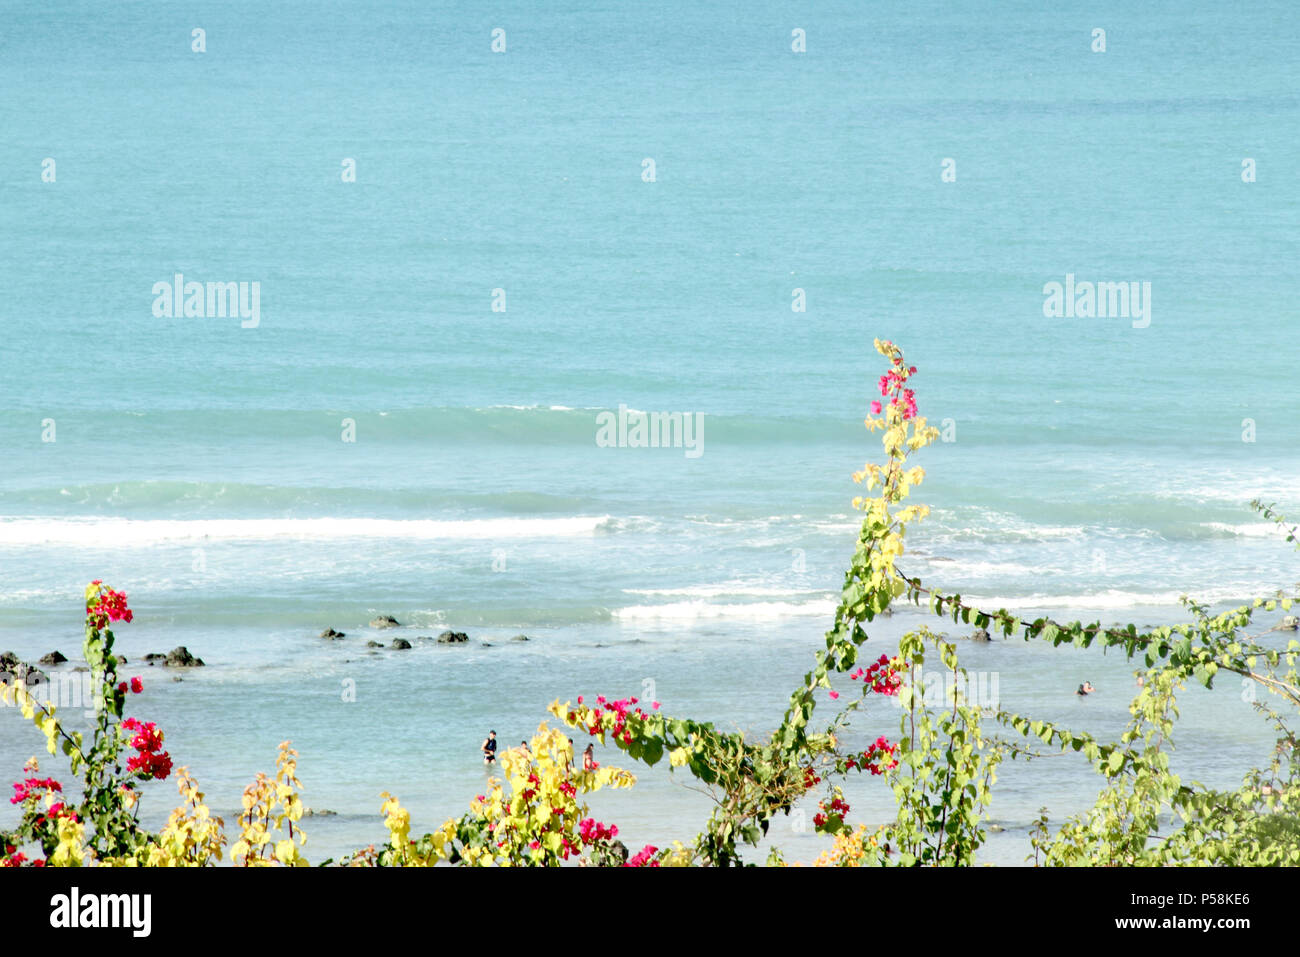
{"x": 155, "y": 659}
{"x": 331, "y": 634}
{"x": 520, "y": 638}
{"x": 980, "y": 634}
{"x": 323, "y": 812}
{"x": 452, "y": 638}
{"x": 485, "y": 644}
{"x": 618, "y": 850}
{"x": 53, "y": 658}
{"x": 401, "y": 644}
{"x": 384, "y": 621}
{"x": 374, "y": 644}
{"x": 177, "y": 678}
{"x": 1290, "y": 623}
{"x": 180, "y": 657}
{"x": 12, "y": 667}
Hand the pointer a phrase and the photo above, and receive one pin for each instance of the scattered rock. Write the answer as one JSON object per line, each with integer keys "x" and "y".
{"x": 452, "y": 638}
{"x": 155, "y": 659}
{"x": 980, "y": 634}
{"x": 401, "y": 644}
{"x": 53, "y": 658}
{"x": 12, "y": 666}
{"x": 384, "y": 621}
{"x": 331, "y": 634}
{"x": 180, "y": 657}
{"x": 374, "y": 644}
{"x": 485, "y": 644}
{"x": 520, "y": 638}
{"x": 1290, "y": 623}
{"x": 996, "y": 829}
{"x": 323, "y": 812}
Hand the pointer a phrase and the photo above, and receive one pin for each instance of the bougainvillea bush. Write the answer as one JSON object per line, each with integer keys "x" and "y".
{"x": 940, "y": 760}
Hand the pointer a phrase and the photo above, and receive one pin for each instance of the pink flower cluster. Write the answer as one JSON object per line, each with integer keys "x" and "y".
{"x": 644, "y": 857}
{"x": 837, "y": 807}
{"x": 150, "y": 761}
{"x": 621, "y": 712}
{"x": 877, "y": 759}
{"x": 55, "y": 812}
{"x": 892, "y": 388}
{"x": 590, "y": 830}
{"x": 32, "y": 788}
{"x": 106, "y": 606}
{"x": 15, "y": 858}
{"x": 882, "y": 677}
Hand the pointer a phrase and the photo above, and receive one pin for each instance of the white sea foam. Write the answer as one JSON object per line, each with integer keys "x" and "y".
{"x": 758, "y": 610}
{"x": 118, "y": 532}
{"x": 1251, "y": 529}
{"x": 718, "y": 590}
{"x": 1111, "y": 598}
{"x": 950, "y": 566}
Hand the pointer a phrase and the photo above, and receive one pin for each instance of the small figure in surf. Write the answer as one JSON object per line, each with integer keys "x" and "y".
{"x": 490, "y": 748}
{"x": 1085, "y": 689}
{"x": 589, "y": 759}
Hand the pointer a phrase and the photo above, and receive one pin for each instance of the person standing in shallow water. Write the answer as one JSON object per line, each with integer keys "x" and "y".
{"x": 588, "y": 759}
{"x": 490, "y": 749}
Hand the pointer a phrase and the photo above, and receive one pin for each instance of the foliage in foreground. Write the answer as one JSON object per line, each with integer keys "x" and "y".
{"x": 941, "y": 766}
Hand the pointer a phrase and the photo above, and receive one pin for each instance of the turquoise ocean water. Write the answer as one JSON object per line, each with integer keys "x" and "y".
{"x": 1095, "y": 469}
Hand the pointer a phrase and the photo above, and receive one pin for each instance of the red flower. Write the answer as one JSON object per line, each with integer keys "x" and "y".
{"x": 644, "y": 857}
{"x": 151, "y": 761}
{"x": 107, "y": 606}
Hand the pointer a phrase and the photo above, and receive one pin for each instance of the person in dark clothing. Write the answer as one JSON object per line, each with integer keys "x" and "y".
{"x": 490, "y": 748}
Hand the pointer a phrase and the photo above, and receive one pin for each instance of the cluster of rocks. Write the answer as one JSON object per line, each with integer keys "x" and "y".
{"x": 13, "y": 667}
{"x": 403, "y": 644}
{"x": 178, "y": 657}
